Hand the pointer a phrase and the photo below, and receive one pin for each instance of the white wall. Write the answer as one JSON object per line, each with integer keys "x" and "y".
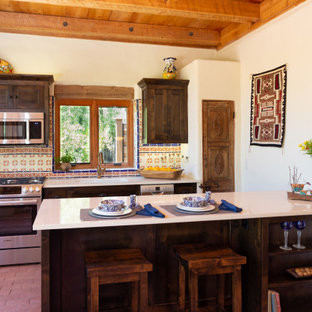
{"x": 286, "y": 40}
{"x": 209, "y": 80}
{"x": 91, "y": 62}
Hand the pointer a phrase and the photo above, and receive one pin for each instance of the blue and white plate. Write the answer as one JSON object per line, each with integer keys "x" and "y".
{"x": 100, "y": 212}
{"x": 181, "y": 206}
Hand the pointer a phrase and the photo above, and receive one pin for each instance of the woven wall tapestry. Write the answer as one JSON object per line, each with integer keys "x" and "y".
{"x": 268, "y": 103}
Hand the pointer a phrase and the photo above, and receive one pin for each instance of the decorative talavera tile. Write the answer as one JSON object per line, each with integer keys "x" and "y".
{"x": 31, "y": 161}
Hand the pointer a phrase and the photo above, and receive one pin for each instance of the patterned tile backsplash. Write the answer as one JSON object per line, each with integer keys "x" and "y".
{"x": 31, "y": 161}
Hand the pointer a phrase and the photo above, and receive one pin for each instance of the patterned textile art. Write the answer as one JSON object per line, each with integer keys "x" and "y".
{"x": 268, "y": 102}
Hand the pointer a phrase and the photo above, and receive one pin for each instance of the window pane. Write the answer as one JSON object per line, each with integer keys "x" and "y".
{"x": 113, "y": 134}
{"x": 75, "y": 132}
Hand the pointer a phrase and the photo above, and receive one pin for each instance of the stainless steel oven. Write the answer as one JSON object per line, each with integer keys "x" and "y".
{"x": 21, "y": 128}
{"x": 19, "y": 204}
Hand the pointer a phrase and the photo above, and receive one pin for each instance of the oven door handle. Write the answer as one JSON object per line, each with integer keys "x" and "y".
{"x": 22, "y": 202}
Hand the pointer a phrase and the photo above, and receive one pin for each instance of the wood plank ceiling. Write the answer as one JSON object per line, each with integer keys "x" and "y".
{"x": 209, "y": 24}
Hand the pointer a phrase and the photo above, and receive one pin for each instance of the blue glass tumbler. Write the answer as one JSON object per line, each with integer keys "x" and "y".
{"x": 299, "y": 225}
{"x": 286, "y": 226}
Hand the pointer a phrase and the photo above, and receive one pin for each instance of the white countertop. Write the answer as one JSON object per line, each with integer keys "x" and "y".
{"x": 127, "y": 180}
{"x": 65, "y": 213}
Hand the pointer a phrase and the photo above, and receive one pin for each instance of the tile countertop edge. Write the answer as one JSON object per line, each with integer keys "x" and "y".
{"x": 138, "y": 180}
{"x": 65, "y": 213}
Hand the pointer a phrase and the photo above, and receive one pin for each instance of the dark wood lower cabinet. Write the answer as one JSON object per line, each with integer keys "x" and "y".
{"x": 185, "y": 188}
{"x": 110, "y": 190}
{"x": 91, "y": 191}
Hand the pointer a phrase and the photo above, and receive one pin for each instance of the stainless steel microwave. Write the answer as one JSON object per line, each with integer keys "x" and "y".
{"x": 21, "y": 128}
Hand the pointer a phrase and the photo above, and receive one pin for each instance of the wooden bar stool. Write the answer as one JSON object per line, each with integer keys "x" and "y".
{"x": 118, "y": 266}
{"x": 197, "y": 260}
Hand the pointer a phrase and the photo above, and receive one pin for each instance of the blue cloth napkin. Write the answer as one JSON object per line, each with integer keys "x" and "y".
{"x": 228, "y": 206}
{"x": 149, "y": 210}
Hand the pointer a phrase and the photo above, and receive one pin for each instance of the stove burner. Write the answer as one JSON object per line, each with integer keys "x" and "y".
{"x": 34, "y": 181}
{"x": 22, "y": 181}
{"x": 9, "y": 181}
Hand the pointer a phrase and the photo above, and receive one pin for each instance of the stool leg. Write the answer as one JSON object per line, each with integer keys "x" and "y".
{"x": 143, "y": 292}
{"x": 236, "y": 290}
{"x": 93, "y": 294}
{"x": 181, "y": 288}
{"x": 220, "y": 292}
{"x": 193, "y": 291}
{"x": 135, "y": 297}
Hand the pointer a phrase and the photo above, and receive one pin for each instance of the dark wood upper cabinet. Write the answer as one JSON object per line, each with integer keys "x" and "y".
{"x": 26, "y": 93}
{"x": 25, "y": 97}
{"x": 164, "y": 110}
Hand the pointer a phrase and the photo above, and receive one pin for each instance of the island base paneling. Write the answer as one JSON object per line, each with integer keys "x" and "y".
{"x": 249, "y": 238}
{"x": 63, "y": 267}
{"x": 64, "y": 277}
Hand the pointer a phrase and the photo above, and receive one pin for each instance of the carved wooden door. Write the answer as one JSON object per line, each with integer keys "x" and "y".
{"x": 218, "y": 146}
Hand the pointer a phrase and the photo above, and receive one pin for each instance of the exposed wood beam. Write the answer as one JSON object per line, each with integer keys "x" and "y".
{"x": 104, "y": 30}
{"x": 269, "y": 9}
{"x": 233, "y": 32}
{"x": 220, "y": 10}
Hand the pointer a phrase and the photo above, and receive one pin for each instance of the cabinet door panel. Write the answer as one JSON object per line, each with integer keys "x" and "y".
{"x": 101, "y": 191}
{"x": 54, "y": 193}
{"x": 5, "y": 97}
{"x": 30, "y": 97}
{"x": 185, "y": 188}
{"x": 160, "y": 121}
{"x": 177, "y": 113}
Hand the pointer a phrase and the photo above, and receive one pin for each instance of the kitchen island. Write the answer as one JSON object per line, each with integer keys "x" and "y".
{"x": 67, "y": 232}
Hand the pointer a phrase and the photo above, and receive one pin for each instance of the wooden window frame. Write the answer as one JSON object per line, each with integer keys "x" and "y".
{"x": 94, "y": 126}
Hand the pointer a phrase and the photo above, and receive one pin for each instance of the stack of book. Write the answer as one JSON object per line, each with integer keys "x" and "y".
{"x": 274, "y": 304}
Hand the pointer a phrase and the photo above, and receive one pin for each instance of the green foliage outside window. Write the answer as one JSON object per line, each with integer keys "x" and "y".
{"x": 107, "y": 130}
{"x": 75, "y": 132}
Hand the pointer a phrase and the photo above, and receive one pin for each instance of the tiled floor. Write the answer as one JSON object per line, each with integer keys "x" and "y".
{"x": 20, "y": 288}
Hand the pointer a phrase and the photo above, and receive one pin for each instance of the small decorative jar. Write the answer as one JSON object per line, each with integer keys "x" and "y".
{"x": 207, "y": 196}
{"x": 297, "y": 188}
{"x": 169, "y": 71}
{"x": 132, "y": 201}
{"x": 5, "y": 67}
